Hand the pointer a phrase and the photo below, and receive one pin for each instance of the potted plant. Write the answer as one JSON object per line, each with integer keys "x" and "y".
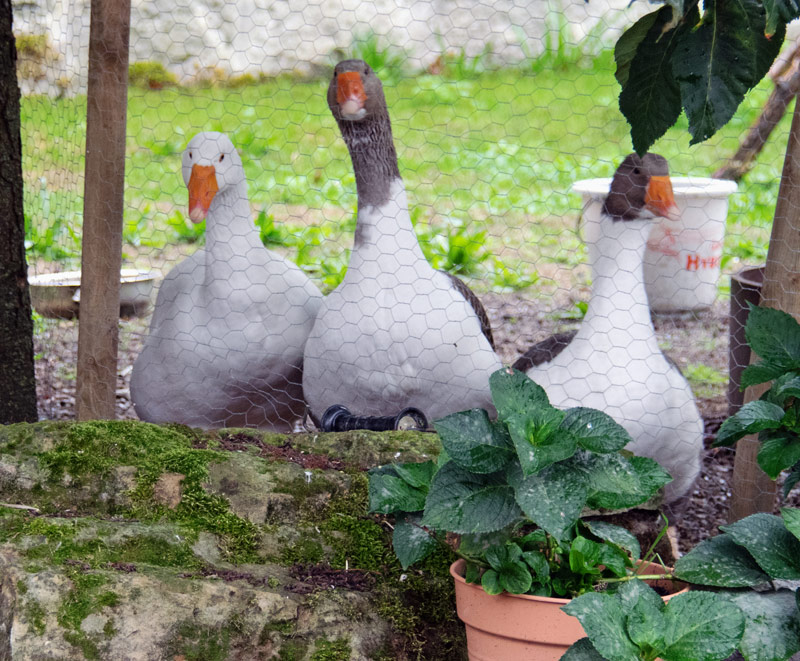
{"x": 511, "y": 496}
{"x": 761, "y": 550}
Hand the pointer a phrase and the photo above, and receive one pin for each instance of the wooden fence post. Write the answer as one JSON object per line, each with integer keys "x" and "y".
{"x": 101, "y": 258}
{"x": 753, "y": 491}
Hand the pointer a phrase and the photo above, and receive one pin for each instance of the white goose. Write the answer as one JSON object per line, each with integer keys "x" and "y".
{"x": 614, "y": 362}
{"x": 226, "y": 339}
{"x": 396, "y": 332}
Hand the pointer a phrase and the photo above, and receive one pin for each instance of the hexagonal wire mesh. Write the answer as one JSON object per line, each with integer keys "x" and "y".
{"x": 497, "y": 109}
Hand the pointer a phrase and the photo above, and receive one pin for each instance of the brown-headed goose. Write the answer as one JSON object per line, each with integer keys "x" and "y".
{"x": 230, "y": 322}
{"x": 614, "y": 362}
{"x": 395, "y": 333}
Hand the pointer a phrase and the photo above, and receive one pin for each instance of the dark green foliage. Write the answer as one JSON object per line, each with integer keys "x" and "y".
{"x": 514, "y": 491}
{"x": 750, "y": 552}
{"x": 702, "y": 62}
{"x": 635, "y": 623}
{"x": 775, "y": 337}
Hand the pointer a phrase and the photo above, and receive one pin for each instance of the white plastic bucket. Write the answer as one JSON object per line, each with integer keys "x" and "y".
{"x": 682, "y": 260}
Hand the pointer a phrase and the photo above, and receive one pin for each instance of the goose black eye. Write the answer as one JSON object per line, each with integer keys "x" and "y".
{"x": 637, "y": 171}
{"x": 221, "y": 157}
{"x": 190, "y": 154}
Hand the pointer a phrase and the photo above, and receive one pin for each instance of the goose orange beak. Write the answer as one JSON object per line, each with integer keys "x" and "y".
{"x": 660, "y": 199}
{"x": 350, "y": 94}
{"x": 202, "y": 189}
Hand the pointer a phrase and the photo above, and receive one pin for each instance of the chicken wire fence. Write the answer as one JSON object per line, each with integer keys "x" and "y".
{"x": 507, "y": 131}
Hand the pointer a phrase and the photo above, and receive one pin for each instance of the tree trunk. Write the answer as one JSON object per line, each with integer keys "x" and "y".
{"x": 17, "y": 381}
{"x": 753, "y": 491}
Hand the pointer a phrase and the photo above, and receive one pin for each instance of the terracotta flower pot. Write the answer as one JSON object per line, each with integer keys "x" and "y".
{"x": 521, "y": 627}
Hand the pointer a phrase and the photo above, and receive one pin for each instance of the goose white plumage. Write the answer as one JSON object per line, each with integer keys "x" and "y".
{"x": 226, "y": 339}
{"x": 614, "y": 362}
{"x": 396, "y": 332}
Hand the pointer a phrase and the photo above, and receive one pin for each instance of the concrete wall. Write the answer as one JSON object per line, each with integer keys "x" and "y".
{"x": 275, "y": 36}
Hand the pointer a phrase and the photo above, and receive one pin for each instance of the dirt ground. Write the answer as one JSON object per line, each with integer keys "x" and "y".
{"x": 518, "y": 321}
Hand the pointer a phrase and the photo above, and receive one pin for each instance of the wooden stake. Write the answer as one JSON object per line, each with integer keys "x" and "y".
{"x": 753, "y": 491}
{"x": 101, "y": 258}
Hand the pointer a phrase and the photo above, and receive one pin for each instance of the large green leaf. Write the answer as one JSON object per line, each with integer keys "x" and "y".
{"x": 752, "y": 418}
{"x": 643, "y": 606}
{"x": 772, "y": 625}
{"x": 775, "y": 336}
{"x": 779, "y": 451}
{"x": 594, "y": 430}
{"x": 701, "y": 626}
{"x": 651, "y": 474}
{"x": 474, "y": 442}
{"x": 615, "y": 482}
{"x": 603, "y": 619}
{"x": 512, "y": 572}
{"x": 583, "y": 650}
{"x": 792, "y": 479}
{"x": 416, "y": 474}
{"x": 587, "y": 557}
{"x": 616, "y": 535}
{"x": 627, "y": 45}
{"x": 464, "y": 502}
{"x": 513, "y": 392}
{"x": 554, "y": 498}
{"x": 721, "y": 562}
{"x": 791, "y": 519}
{"x": 411, "y": 542}
{"x": 474, "y": 545}
{"x": 779, "y": 12}
{"x": 759, "y": 373}
{"x": 785, "y": 386}
{"x": 388, "y": 492}
{"x": 774, "y": 548}
{"x": 650, "y": 97}
{"x": 718, "y": 61}
{"x": 538, "y": 440}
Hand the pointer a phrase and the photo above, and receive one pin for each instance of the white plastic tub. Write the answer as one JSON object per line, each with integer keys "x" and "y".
{"x": 59, "y": 294}
{"x": 682, "y": 260}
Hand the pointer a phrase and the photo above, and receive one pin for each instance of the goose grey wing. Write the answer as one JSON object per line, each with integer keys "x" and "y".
{"x": 544, "y": 351}
{"x": 475, "y": 303}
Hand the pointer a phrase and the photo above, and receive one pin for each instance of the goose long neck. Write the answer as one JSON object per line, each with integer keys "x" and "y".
{"x": 230, "y": 234}
{"x": 619, "y": 300}
{"x": 374, "y": 158}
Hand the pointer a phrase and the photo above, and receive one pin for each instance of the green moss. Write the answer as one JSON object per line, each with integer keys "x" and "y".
{"x": 359, "y": 542}
{"x": 91, "y": 449}
{"x": 32, "y": 45}
{"x": 22, "y": 588}
{"x": 154, "y": 551}
{"x": 285, "y": 628}
{"x": 150, "y": 75}
{"x": 302, "y": 489}
{"x": 196, "y": 643}
{"x": 81, "y": 600}
{"x": 331, "y": 650}
{"x": 86, "y": 645}
{"x": 362, "y": 544}
{"x": 352, "y": 502}
{"x": 108, "y": 629}
{"x": 304, "y": 552}
{"x": 292, "y": 650}
{"x": 35, "y": 615}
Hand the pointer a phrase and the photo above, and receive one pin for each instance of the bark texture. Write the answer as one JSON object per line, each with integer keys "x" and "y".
{"x": 17, "y": 382}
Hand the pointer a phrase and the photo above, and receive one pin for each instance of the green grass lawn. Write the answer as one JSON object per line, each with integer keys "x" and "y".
{"x": 488, "y": 158}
